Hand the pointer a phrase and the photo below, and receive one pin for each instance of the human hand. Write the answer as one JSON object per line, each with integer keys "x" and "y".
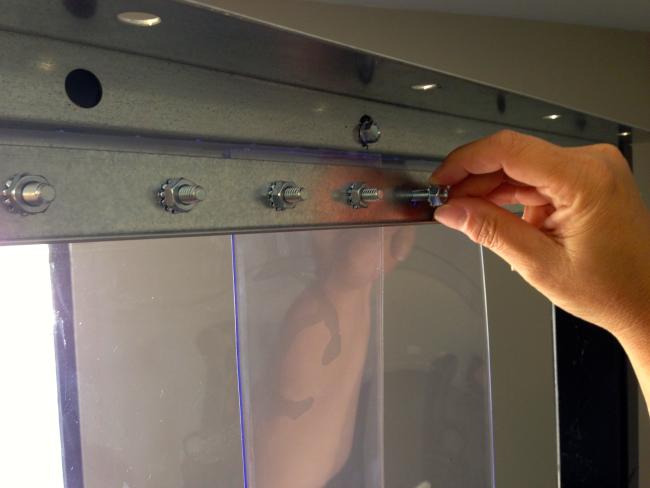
{"x": 584, "y": 240}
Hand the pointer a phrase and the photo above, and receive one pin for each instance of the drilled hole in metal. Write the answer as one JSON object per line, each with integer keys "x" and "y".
{"x": 83, "y": 88}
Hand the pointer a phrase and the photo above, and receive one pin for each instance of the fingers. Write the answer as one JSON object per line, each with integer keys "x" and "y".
{"x": 537, "y": 215}
{"x": 508, "y": 194}
{"x": 522, "y": 245}
{"x": 523, "y": 158}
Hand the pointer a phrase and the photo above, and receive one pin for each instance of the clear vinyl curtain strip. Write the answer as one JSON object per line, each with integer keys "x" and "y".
{"x": 309, "y": 309}
{"x": 436, "y": 399}
{"x": 363, "y": 359}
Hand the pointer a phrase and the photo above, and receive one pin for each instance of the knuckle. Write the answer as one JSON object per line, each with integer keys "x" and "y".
{"x": 507, "y": 138}
{"x": 512, "y": 143}
{"x": 485, "y": 232}
{"x": 607, "y": 151}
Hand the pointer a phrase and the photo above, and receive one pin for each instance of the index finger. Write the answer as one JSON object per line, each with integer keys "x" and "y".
{"x": 523, "y": 158}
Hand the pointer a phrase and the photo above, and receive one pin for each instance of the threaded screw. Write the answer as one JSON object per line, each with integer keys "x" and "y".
{"x": 294, "y": 194}
{"x": 189, "y": 194}
{"x": 371, "y": 194}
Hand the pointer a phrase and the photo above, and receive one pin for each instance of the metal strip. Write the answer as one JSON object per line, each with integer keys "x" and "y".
{"x": 105, "y": 194}
{"x": 148, "y": 96}
{"x": 196, "y": 33}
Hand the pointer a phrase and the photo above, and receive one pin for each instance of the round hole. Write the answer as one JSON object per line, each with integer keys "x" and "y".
{"x": 83, "y": 88}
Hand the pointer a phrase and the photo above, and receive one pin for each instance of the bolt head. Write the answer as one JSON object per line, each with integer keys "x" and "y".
{"x": 13, "y": 194}
{"x": 276, "y": 198}
{"x": 169, "y": 195}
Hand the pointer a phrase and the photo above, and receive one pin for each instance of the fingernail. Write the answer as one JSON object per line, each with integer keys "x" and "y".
{"x": 451, "y": 216}
{"x": 433, "y": 179}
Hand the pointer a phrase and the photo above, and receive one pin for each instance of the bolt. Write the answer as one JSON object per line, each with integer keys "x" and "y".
{"x": 371, "y": 194}
{"x": 285, "y": 194}
{"x": 359, "y": 195}
{"x": 189, "y": 194}
{"x": 293, "y": 194}
{"x": 368, "y": 131}
{"x": 28, "y": 194}
{"x": 435, "y": 195}
{"x": 180, "y": 195}
{"x": 35, "y": 194}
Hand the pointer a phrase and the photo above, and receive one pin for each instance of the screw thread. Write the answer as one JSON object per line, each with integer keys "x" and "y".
{"x": 293, "y": 194}
{"x": 191, "y": 194}
{"x": 371, "y": 194}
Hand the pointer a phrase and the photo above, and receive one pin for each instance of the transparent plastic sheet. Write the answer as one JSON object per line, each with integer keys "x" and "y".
{"x": 363, "y": 359}
{"x": 437, "y": 406}
{"x": 154, "y": 357}
{"x": 309, "y": 325}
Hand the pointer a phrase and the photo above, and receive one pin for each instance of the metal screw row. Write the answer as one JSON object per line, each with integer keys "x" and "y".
{"x": 31, "y": 194}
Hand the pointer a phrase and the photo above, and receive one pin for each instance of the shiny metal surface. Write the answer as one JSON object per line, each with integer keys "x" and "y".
{"x": 180, "y": 195}
{"x": 359, "y": 195}
{"x": 434, "y": 195}
{"x": 266, "y": 53}
{"x": 369, "y": 131}
{"x": 182, "y": 101}
{"x": 27, "y": 194}
{"x": 283, "y": 195}
{"x": 127, "y": 208}
{"x": 139, "y": 19}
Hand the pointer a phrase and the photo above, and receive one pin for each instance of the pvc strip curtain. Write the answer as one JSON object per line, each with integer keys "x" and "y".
{"x": 353, "y": 358}
{"x": 363, "y": 359}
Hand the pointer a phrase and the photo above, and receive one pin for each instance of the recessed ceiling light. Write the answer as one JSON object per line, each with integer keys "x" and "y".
{"x": 625, "y": 133}
{"x": 552, "y": 117}
{"x": 139, "y": 19}
{"x": 425, "y": 86}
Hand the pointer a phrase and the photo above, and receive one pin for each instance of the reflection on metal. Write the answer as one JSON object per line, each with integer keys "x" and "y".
{"x": 435, "y": 195}
{"x": 285, "y": 194}
{"x": 358, "y": 195}
{"x": 258, "y": 50}
{"x": 425, "y": 87}
{"x": 139, "y": 19}
{"x": 180, "y": 195}
{"x": 27, "y": 194}
{"x": 369, "y": 131}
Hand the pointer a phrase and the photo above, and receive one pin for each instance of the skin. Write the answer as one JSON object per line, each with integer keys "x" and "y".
{"x": 584, "y": 239}
{"x": 305, "y": 438}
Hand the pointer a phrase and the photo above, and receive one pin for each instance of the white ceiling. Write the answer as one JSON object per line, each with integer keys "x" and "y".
{"x": 619, "y": 14}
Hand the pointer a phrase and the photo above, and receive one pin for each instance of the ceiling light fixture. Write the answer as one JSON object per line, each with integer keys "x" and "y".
{"x": 552, "y": 117}
{"x": 625, "y": 133}
{"x": 139, "y": 19}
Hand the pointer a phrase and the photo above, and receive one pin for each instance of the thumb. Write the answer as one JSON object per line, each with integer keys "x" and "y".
{"x": 527, "y": 249}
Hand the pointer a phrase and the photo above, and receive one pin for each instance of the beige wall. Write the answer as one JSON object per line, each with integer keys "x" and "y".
{"x": 605, "y": 72}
